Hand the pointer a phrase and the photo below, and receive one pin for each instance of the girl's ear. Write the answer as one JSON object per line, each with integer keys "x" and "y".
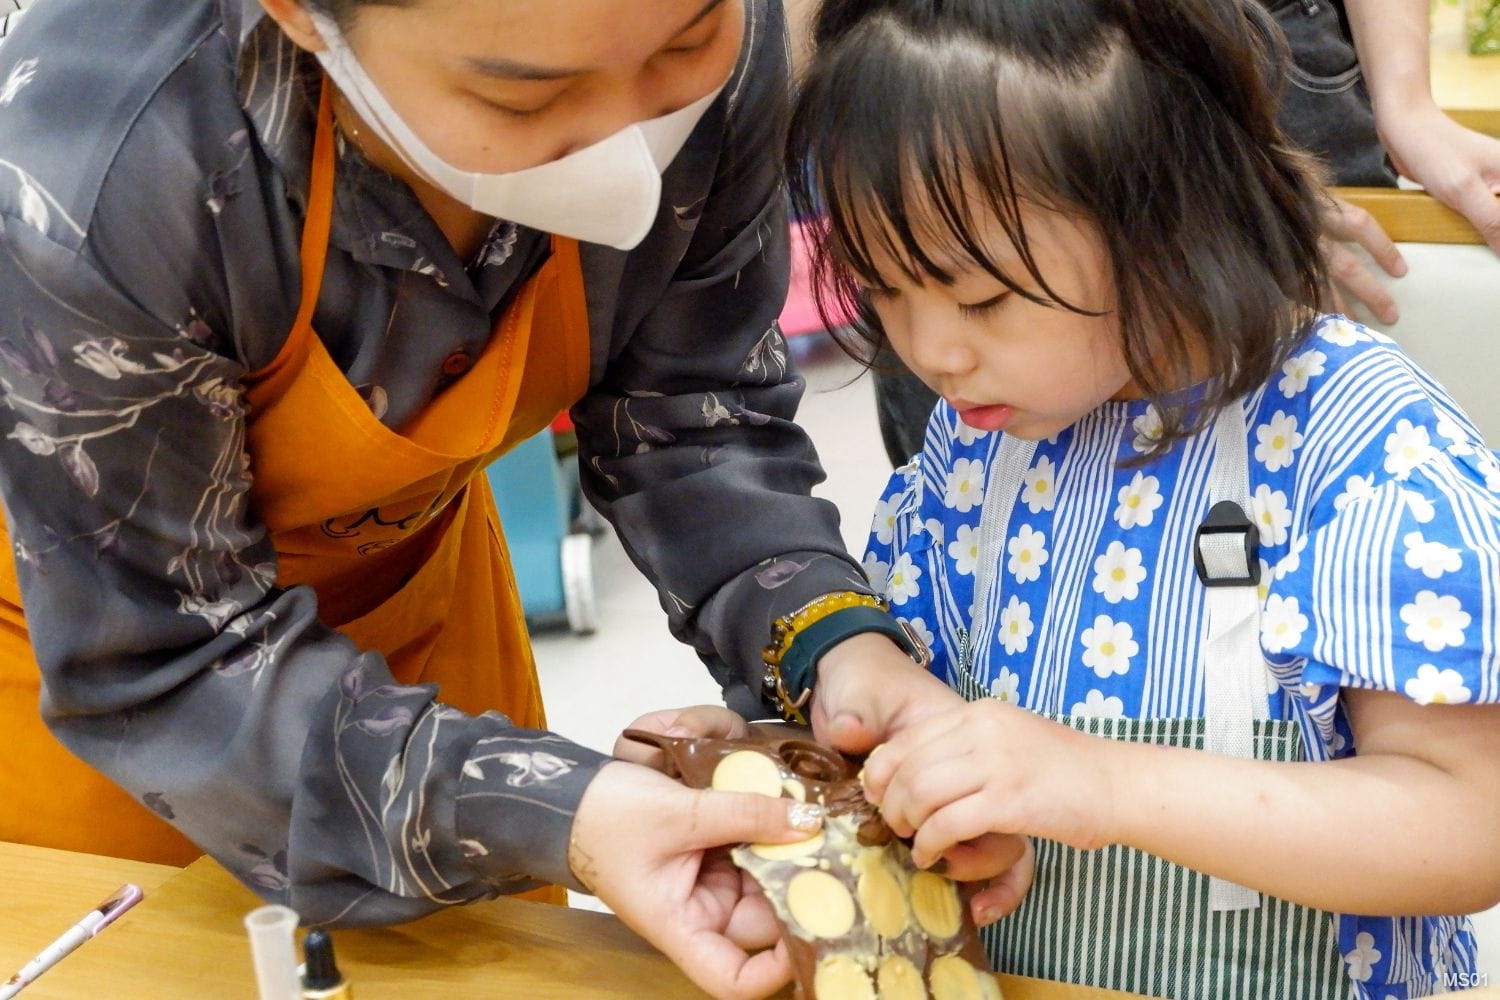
{"x": 295, "y": 23}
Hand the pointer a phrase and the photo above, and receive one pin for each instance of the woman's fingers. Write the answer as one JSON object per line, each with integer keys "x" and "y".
{"x": 710, "y": 721}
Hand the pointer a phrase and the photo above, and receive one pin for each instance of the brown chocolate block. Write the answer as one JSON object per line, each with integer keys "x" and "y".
{"x": 860, "y": 920}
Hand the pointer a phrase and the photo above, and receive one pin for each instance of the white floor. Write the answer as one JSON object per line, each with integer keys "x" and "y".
{"x": 595, "y": 686}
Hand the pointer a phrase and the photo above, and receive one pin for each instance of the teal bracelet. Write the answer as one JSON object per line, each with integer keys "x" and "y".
{"x": 799, "y": 663}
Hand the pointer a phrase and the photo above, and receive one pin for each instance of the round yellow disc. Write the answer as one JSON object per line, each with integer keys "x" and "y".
{"x": 934, "y": 901}
{"x": 748, "y": 771}
{"x": 788, "y": 852}
{"x": 952, "y": 978}
{"x": 881, "y": 897}
{"x": 820, "y": 904}
{"x": 898, "y": 979}
{"x": 839, "y": 977}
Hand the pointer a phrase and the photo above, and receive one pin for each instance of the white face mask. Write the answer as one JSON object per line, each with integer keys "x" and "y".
{"x": 606, "y": 193}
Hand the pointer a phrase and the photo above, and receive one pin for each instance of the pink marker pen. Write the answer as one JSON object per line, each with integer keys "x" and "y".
{"x": 89, "y": 925}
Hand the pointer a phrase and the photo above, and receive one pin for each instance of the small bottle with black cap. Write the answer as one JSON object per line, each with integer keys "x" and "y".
{"x": 321, "y": 979}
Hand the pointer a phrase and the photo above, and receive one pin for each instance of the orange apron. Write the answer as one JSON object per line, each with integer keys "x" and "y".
{"x": 397, "y": 533}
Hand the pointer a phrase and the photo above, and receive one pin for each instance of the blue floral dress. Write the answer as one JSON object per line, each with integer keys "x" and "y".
{"x": 1378, "y": 510}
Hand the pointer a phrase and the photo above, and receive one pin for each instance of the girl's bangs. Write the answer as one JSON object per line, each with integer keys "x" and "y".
{"x": 915, "y": 177}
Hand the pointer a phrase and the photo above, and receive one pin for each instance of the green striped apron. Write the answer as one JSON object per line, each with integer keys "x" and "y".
{"x": 1118, "y": 918}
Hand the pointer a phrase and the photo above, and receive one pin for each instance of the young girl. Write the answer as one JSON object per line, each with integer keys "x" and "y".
{"x": 1218, "y": 574}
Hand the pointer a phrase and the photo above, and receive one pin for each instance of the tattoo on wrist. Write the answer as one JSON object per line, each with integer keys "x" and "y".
{"x": 585, "y": 869}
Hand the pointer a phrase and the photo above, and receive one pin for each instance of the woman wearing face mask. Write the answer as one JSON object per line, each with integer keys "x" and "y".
{"x": 277, "y": 279}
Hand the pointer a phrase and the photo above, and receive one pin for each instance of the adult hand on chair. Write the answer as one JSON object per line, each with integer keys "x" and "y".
{"x": 1458, "y": 166}
{"x": 1352, "y": 278}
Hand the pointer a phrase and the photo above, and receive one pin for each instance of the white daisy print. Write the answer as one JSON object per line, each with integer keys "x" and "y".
{"x": 1432, "y": 686}
{"x": 1148, "y": 429}
{"x": 1355, "y": 488}
{"x": 902, "y": 584}
{"x": 1271, "y": 513}
{"x": 1139, "y": 500}
{"x": 964, "y": 549}
{"x": 885, "y": 519}
{"x": 1436, "y": 622}
{"x": 1282, "y": 624}
{"x": 1108, "y": 646}
{"x": 1028, "y": 554}
{"x": 934, "y": 527}
{"x": 1290, "y": 562}
{"x": 1263, "y": 588}
{"x": 1490, "y": 466}
{"x": 1458, "y": 441}
{"x": 968, "y": 435}
{"x": 1041, "y": 486}
{"x": 1096, "y": 706}
{"x": 1118, "y": 573}
{"x": 1406, "y": 447}
{"x": 1363, "y": 958}
{"x": 1007, "y": 687}
{"x": 965, "y": 487}
{"x": 1015, "y": 625}
{"x": 1296, "y": 372}
{"x": 1341, "y": 333}
{"x": 877, "y": 571}
{"x": 1277, "y": 441}
{"x": 1432, "y": 558}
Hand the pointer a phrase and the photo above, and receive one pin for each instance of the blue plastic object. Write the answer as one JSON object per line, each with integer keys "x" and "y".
{"x": 535, "y": 504}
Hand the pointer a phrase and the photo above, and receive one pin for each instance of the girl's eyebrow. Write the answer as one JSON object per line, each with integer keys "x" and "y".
{"x": 512, "y": 69}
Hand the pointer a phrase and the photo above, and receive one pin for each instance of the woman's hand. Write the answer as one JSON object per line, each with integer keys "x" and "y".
{"x": 708, "y": 721}
{"x": 650, "y": 849}
{"x": 990, "y": 767}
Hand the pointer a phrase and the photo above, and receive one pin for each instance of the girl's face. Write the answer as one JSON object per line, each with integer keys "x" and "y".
{"x": 499, "y": 85}
{"x": 1000, "y": 360}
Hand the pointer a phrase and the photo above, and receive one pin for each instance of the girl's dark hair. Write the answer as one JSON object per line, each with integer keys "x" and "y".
{"x": 1153, "y": 120}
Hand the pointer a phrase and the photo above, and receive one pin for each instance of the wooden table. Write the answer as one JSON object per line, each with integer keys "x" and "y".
{"x": 186, "y": 940}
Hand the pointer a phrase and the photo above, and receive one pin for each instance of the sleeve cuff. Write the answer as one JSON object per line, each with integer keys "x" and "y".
{"x": 516, "y": 802}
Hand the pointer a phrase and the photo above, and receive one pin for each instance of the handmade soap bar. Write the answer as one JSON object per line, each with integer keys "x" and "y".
{"x": 860, "y": 920}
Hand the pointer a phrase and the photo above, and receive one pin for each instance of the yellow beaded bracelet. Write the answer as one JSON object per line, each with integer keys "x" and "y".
{"x": 786, "y": 629}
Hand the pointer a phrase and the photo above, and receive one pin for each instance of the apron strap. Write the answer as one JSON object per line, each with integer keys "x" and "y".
{"x": 1226, "y": 558}
{"x": 1007, "y": 473}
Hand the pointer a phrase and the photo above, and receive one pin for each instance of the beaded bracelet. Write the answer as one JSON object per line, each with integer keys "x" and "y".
{"x": 800, "y": 638}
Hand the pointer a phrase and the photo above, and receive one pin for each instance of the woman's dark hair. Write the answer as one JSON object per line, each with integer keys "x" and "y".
{"x": 344, "y": 12}
{"x": 1154, "y": 120}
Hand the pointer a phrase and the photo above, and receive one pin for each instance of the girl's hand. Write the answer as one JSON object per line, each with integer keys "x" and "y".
{"x": 992, "y": 767}
{"x": 1005, "y": 892}
{"x": 868, "y": 690}
{"x": 711, "y": 721}
{"x": 648, "y": 847}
